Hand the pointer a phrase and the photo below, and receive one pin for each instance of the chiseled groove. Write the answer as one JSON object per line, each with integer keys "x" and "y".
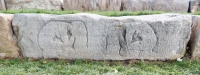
{"x": 69, "y": 21}
{"x": 38, "y": 36}
{"x": 156, "y": 37}
{"x": 69, "y": 34}
{"x": 74, "y": 43}
{"x": 60, "y": 37}
{"x": 122, "y": 42}
{"x": 106, "y": 48}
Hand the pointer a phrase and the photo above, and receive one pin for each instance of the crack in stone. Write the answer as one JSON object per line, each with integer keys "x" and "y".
{"x": 122, "y": 6}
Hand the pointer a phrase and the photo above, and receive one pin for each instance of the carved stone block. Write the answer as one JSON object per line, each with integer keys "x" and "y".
{"x": 89, "y": 36}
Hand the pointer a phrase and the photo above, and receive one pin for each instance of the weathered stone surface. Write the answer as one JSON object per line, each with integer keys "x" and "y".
{"x": 2, "y": 5}
{"x": 193, "y": 6}
{"x": 127, "y": 5}
{"x": 92, "y": 5}
{"x": 195, "y": 38}
{"x": 156, "y": 5}
{"x": 33, "y": 4}
{"x": 8, "y": 46}
{"x": 89, "y": 36}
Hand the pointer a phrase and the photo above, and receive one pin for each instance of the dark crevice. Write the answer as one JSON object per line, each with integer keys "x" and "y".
{"x": 106, "y": 48}
{"x": 20, "y": 53}
{"x": 188, "y": 53}
{"x": 121, "y": 7}
{"x": 69, "y": 34}
{"x": 5, "y": 5}
{"x": 189, "y": 7}
{"x": 62, "y": 6}
{"x": 124, "y": 35}
{"x": 120, "y": 43}
{"x": 13, "y": 31}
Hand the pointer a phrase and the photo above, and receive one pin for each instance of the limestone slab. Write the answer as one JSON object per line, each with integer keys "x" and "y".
{"x": 89, "y": 36}
{"x": 8, "y": 47}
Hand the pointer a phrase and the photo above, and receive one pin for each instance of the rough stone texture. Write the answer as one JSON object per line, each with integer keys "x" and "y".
{"x": 156, "y": 5}
{"x": 33, "y": 4}
{"x": 92, "y": 5}
{"x": 2, "y": 5}
{"x": 194, "y": 42}
{"x": 89, "y": 36}
{"x": 127, "y": 5}
{"x": 8, "y": 46}
{"x": 193, "y": 6}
